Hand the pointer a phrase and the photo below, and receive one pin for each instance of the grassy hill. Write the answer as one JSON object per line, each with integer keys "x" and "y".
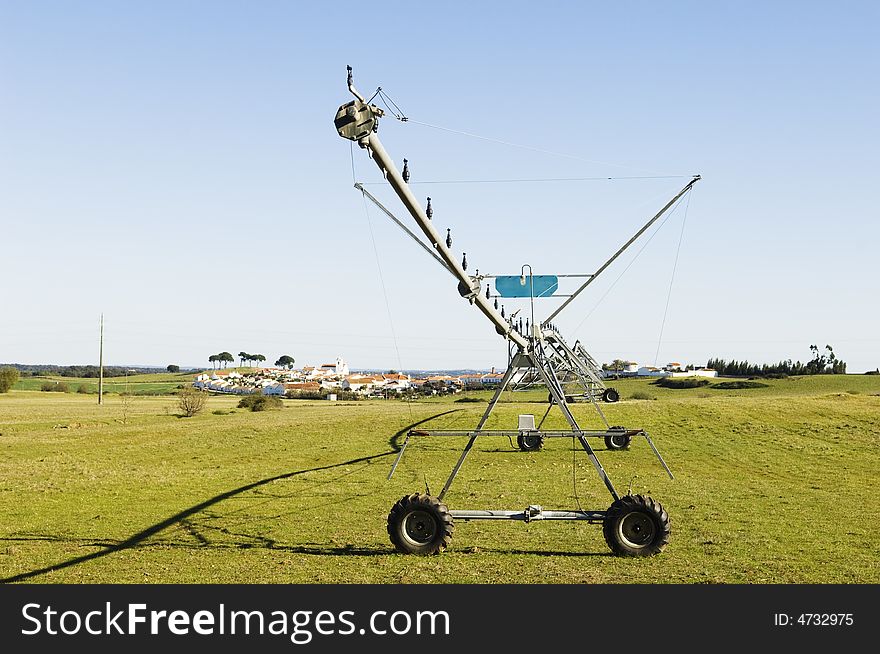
{"x": 772, "y": 485}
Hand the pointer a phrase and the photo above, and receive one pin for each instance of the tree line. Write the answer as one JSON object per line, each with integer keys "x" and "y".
{"x": 824, "y": 362}
{"x": 221, "y": 359}
{"x": 28, "y": 370}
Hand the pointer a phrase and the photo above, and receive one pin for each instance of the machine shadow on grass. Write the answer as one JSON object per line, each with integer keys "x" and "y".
{"x": 181, "y": 519}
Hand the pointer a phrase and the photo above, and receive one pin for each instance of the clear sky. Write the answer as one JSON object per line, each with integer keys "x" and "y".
{"x": 174, "y": 165}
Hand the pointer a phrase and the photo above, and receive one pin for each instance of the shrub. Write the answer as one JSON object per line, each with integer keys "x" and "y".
{"x": 191, "y": 401}
{"x": 873, "y": 372}
{"x": 642, "y": 395}
{"x": 267, "y": 403}
{"x": 247, "y": 401}
{"x": 681, "y": 382}
{"x": 8, "y": 377}
{"x": 259, "y": 402}
{"x": 732, "y": 385}
{"x": 82, "y": 389}
{"x": 58, "y": 387}
{"x": 471, "y": 399}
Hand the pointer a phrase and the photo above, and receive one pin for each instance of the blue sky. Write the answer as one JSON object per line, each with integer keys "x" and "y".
{"x": 174, "y": 165}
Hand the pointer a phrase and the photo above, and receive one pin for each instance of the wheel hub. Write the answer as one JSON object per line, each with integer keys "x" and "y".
{"x": 636, "y": 529}
{"x": 419, "y": 527}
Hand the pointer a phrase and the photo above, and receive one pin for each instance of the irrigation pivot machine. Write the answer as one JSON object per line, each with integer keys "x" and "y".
{"x": 421, "y": 523}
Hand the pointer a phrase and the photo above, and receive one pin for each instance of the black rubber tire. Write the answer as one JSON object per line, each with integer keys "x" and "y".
{"x": 530, "y": 442}
{"x": 610, "y": 395}
{"x": 618, "y": 441}
{"x": 420, "y": 524}
{"x": 636, "y": 525}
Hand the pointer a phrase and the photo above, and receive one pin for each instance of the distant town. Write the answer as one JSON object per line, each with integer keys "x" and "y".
{"x": 329, "y": 379}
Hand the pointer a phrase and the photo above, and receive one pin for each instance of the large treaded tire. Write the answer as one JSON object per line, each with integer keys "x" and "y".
{"x": 530, "y": 442}
{"x": 636, "y": 525}
{"x": 610, "y": 395}
{"x": 617, "y": 441}
{"x": 420, "y": 524}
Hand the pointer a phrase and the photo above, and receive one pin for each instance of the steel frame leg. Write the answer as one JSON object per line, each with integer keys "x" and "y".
{"x": 546, "y": 413}
{"x": 399, "y": 456}
{"x": 511, "y": 368}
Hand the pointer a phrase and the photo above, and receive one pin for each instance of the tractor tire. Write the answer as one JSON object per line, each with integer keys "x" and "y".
{"x": 610, "y": 395}
{"x": 636, "y": 525}
{"x": 617, "y": 441}
{"x": 530, "y": 442}
{"x": 568, "y": 398}
{"x": 420, "y": 524}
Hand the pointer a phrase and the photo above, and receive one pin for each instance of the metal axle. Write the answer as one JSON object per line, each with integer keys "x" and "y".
{"x": 531, "y": 513}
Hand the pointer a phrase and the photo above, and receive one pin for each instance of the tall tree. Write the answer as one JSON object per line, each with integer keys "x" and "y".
{"x": 285, "y": 360}
{"x": 8, "y": 378}
{"x": 244, "y": 356}
{"x": 213, "y": 361}
{"x": 225, "y": 357}
{"x": 258, "y": 357}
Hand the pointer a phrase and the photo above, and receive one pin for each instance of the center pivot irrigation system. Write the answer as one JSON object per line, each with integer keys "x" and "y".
{"x": 421, "y": 523}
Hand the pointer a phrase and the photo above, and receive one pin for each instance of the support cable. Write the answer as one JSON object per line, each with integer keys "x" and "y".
{"x": 397, "y": 112}
{"x": 672, "y": 278}
{"x": 537, "y": 179}
{"x": 387, "y": 303}
{"x": 531, "y": 148}
{"x": 628, "y": 266}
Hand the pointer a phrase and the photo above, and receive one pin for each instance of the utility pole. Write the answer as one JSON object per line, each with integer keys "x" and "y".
{"x": 101, "y": 364}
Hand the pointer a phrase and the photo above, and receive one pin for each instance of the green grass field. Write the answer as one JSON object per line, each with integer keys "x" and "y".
{"x": 147, "y": 384}
{"x": 773, "y": 485}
